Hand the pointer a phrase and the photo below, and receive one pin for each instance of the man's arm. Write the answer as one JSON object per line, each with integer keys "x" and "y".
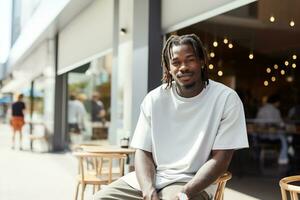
{"x": 209, "y": 172}
{"x": 145, "y": 172}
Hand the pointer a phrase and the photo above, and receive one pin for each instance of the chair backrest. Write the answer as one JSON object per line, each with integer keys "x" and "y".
{"x": 221, "y": 182}
{"x": 94, "y": 164}
{"x": 287, "y": 187}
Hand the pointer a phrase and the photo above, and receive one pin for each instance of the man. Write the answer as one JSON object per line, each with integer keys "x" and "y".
{"x": 17, "y": 120}
{"x": 76, "y": 114}
{"x": 269, "y": 114}
{"x": 186, "y": 133}
{"x": 98, "y": 111}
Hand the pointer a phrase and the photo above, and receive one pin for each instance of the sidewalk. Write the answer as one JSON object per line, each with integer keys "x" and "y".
{"x": 27, "y": 175}
{"x": 30, "y": 175}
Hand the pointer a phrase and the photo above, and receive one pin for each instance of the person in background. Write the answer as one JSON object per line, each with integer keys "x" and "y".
{"x": 269, "y": 114}
{"x": 76, "y": 114}
{"x": 187, "y": 131}
{"x": 17, "y": 120}
{"x": 98, "y": 111}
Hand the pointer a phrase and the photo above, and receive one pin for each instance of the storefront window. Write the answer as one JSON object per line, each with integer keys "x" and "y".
{"x": 89, "y": 100}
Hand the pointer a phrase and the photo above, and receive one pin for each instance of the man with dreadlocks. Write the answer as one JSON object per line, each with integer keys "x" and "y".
{"x": 187, "y": 131}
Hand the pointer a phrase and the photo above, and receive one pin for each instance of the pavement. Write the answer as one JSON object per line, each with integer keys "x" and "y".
{"x": 39, "y": 175}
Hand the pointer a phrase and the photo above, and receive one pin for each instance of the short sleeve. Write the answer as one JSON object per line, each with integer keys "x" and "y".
{"x": 142, "y": 134}
{"x": 232, "y": 133}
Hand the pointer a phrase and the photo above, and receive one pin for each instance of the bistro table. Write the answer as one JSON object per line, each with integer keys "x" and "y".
{"x": 107, "y": 149}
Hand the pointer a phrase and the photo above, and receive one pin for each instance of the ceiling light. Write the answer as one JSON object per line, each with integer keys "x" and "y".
{"x": 294, "y": 56}
{"x": 266, "y": 83}
{"x": 294, "y": 65}
{"x": 230, "y": 45}
{"x": 210, "y": 66}
{"x": 212, "y": 54}
{"x": 225, "y": 40}
{"x": 273, "y": 78}
{"x": 220, "y": 73}
{"x": 268, "y": 70}
{"x": 215, "y": 43}
{"x": 251, "y": 56}
{"x": 286, "y": 63}
{"x": 275, "y": 66}
{"x": 282, "y": 72}
{"x": 292, "y": 23}
{"x": 272, "y": 19}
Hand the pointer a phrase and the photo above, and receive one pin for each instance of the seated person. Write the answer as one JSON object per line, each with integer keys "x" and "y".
{"x": 269, "y": 115}
{"x": 187, "y": 131}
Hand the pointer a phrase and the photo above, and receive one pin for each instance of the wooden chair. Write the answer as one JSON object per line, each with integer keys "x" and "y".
{"x": 287, "y": 187}
{"x": 97, "y": 169}
{"x": 221, "y": 182}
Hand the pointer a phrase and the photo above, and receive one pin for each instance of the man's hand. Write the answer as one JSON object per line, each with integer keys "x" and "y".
{"x": 151, "y": 195}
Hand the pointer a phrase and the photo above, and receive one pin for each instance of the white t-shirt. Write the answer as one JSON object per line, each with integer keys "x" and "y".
{"x": 181, "y": 132}
{"x": 269, "y": 114}
{"x": 76, "y": 113}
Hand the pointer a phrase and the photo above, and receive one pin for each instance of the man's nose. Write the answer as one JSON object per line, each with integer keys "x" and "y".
{"x": 183, "y": 67}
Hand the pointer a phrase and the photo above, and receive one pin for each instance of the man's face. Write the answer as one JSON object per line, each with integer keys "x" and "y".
{"x": 185, "y": 66}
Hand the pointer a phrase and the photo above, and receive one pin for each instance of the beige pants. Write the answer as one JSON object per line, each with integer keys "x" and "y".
{"x": 120, "y": 190}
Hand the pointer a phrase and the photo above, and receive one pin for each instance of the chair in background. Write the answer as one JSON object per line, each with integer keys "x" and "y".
{"x": 221, "y": 182}
{"x": 286, "y": 187}
{"x": 97, "y": 169}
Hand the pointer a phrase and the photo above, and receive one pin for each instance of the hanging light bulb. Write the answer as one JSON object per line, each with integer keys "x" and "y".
{"x": 286, "y": 63}
{"x": 282, "y": 72}
{"x": 215, "y": 43}
{"x": 211, "y": 66}
{"x": 292, "y": 23}
{"x": 266, "y": 83}
{"x": 212, "y": 54}
{"x": 230, "y": 45}
{"x": 275, "y": 66}
{"x": 220, "y": 73}
{"x": 268, "y": 70}
{"x": 289, "y": 79}
{"x": 272, "y": 19}
{"x": 273, "y": 78}
{"x": 294, "y": 65}
{"x": 251, "y": 56}
{"x": 225, "y": 40}
{"x": 294, "y": 56}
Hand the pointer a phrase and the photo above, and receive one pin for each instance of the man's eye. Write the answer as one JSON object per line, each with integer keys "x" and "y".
{"x": 175, "y": 63}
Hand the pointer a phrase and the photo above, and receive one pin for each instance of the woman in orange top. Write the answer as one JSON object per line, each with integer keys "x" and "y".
{"x": 17, "y": 120}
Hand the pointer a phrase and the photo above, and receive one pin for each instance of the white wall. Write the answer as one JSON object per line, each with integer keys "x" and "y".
{"x": 177, "y": 14}
{"x": 5, "y": 24}
{"x": 88, "y": 36}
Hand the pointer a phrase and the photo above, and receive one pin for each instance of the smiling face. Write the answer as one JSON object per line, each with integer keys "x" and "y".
{"x": 185, "y": 68}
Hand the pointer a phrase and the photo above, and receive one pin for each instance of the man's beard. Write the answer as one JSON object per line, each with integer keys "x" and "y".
{"x": 189, "y": 86}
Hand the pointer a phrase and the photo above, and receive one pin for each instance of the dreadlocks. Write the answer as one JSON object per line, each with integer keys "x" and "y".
{"x": 167, "y": 54}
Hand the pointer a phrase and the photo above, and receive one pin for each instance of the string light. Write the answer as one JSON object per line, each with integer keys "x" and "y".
{"x": 294, "y": 65}
{"x": 275, "y": 66}
{"x": 215, "y": 43}
{"x": 220, "y": 73}
{"x": 272, "y": 19}
{"x": 212, "y": 54}
{"x": 211, "y": 66}
{"x": 225, "y": 40}
{"x": 286, "y": 63}
{"x": 289, "y": 79}
{"x": 294, "y": 56}
{"x": 268, "y": 70}
{"x": 273, "y": 78}
{"x": 282, "y": 72}
{"x": 266, "y": 83}
{"x": 251, "y": 56}
{"x": 292, "y": 23}
{"x": 230, "y": 45}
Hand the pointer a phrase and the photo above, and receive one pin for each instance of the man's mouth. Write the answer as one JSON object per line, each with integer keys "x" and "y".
{"x": 185, "y": 75}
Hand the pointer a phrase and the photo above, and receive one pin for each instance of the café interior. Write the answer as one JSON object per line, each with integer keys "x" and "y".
{"x": 255, "y": 50}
